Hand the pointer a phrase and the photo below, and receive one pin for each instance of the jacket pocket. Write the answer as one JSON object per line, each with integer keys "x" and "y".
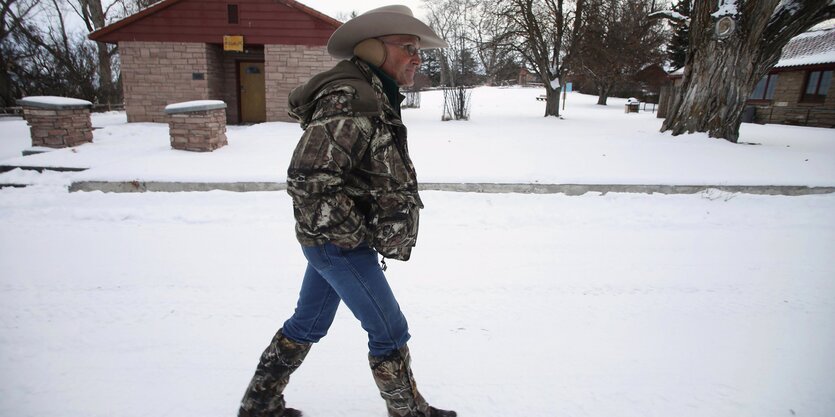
{"x": 395, "y": 225}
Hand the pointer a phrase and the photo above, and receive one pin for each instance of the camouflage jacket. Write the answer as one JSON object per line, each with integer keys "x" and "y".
{"x": 350, "y": 177}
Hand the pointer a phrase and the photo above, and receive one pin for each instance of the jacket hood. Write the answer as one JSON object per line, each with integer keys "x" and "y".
{"x": 347, "y": 77}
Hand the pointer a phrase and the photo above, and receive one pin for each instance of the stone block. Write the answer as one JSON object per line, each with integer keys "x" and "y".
{"x": 37, "y": 112}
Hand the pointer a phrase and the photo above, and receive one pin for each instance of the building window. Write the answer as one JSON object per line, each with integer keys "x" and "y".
{"x": 817, "y": 85}
{"x": 232, "y": 12}
{"x": 765, "y": 88}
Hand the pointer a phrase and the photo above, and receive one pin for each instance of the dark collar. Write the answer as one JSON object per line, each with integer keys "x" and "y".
{"x": 390, "y": 88}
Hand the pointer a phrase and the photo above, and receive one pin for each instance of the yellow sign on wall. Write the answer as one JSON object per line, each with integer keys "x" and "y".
{"x": 233, "y": 43}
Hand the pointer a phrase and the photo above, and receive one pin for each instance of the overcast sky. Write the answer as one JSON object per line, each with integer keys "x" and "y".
{"x": 333, "y": 8}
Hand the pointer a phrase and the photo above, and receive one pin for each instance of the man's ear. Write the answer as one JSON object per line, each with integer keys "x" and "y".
{"x": 372, "y": 51}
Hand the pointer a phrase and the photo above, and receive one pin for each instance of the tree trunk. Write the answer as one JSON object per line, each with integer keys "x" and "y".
{"x": 721, "y": 73}
{"x": 699, "y": 109}
{"x": 552, "y": 101}
{"x": 602, "y": 95}
{"x": 446, "y": 74}
{"x": 94, "y": 16}
{"x": 108, "y": 92}
{"x": 7, "y": 96}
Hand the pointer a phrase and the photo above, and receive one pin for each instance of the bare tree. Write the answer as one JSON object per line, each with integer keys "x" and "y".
{"x": 346, "y": 16}
{"x": 733, "y": 44}
{"x": 490, "y": 36}
{"x": 55, "y": 62}
{"x": 41, "y": 55}
{"x": 94, "y": 16}
{"x": 617, "y": 39}
{"x": 447, "y": 18}
{"x": 539, "y": 27}
{"x": 13, "y": 14}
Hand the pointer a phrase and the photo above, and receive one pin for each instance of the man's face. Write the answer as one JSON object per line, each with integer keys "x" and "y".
{"x": 399, "y": 65}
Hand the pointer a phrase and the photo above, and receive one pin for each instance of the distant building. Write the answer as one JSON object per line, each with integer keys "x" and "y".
{"x": 525, "y": 77}
{"x": 248, "y": 53}
{"x": 797, "y": 91}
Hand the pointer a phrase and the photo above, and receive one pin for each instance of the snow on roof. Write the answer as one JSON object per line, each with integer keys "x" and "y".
{"x": 810, "y": 48}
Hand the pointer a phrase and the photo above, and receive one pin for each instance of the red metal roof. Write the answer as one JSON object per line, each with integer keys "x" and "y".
{"x": 205, "y": 21}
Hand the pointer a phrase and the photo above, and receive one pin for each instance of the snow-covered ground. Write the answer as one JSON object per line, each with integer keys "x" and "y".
{"x": 520, "y": 305}
{"x": 703, "y": 305}
{"x": 506, "y": 141}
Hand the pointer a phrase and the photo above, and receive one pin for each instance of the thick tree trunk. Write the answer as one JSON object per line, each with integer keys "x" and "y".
{"x": 729, "y": 68}
{"x": 721, "y": 73}
{"x": 552, "y": 101}
{"x": 94, "y": 16}
{"x": 718, "y": 78}
{"x": 108, "y": 91}
{"x": 7, "y": 96}
{"x": 602, "y": 95}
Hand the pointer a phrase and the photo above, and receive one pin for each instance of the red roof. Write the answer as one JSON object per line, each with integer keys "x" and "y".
{"x": 206, "y": 21}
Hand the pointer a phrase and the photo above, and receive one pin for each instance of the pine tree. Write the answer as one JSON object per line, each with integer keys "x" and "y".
{"x": 679, "y": 44}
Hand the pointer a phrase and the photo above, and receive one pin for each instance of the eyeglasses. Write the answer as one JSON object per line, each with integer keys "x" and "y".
{"x": 410, "y": 49}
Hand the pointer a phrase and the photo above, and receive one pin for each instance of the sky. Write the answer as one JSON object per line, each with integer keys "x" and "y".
{"x": 333, "y": 8}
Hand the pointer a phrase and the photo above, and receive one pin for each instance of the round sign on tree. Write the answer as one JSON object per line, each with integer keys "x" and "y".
{"x": 725, "y": 27}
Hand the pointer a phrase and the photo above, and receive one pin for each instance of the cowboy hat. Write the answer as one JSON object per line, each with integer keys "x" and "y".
{"x": 382, "y": 21}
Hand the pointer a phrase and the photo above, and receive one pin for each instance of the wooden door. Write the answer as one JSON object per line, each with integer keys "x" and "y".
{"x": 253, "y": 92}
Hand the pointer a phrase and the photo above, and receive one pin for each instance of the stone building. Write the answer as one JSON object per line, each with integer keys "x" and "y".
{"x": 798, "y": 90}
{"x": 248, "y": 53}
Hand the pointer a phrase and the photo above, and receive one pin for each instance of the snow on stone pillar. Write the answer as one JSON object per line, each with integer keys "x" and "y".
{"x": 57, "y": 122}
{"x": 632, "y": 105}
{"x": 198, "y": 126}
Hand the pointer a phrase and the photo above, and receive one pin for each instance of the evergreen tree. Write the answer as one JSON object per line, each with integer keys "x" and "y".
{"x": 679, "y": 44}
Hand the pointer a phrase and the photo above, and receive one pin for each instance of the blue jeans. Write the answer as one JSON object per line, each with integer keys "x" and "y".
{"x": 353, "y": 276}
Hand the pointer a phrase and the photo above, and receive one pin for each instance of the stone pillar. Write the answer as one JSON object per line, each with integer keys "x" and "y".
{"x": 198, "y": 126}
{"x": 57, "y": 122}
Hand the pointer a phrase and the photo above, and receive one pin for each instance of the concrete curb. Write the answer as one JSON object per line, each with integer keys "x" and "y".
{"x": 567, "y": 189}
{"x": 7, "y": 168}
{"x": 157, "y": 186}
{"x": 580, "y": 189}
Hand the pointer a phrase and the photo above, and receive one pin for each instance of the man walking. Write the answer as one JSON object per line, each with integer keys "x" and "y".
{"x": 355, "y": 196}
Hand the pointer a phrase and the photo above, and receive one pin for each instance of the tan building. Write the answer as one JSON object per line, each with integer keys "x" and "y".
{"x": 248, "y": 53}
{"x": 798, "y": 90}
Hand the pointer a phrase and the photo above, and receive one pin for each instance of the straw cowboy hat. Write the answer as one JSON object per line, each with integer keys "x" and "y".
{"x": 386, "y": 20}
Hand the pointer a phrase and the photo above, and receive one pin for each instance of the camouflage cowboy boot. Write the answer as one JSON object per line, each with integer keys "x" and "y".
{"x": 264, "y": 396}
{"x": 393, "y": 375}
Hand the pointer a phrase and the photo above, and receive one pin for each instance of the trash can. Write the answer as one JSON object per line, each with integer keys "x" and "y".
{"x": 632, "y": 105}
{"x": 749, "y": 114}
